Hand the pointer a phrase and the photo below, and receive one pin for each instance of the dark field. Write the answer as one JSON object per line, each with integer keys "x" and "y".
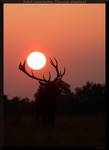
{"x": 77, "y": 130}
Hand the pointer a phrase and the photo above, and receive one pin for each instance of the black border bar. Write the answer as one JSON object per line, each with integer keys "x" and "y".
{"x": 54, "y": 1}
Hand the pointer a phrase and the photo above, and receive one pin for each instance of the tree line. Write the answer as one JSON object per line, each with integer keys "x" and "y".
{"x": 87, "y": 99}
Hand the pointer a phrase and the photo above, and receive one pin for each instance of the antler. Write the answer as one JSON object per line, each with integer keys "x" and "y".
{"x": 41, "y": 81}
{"x": 59, "y": 73}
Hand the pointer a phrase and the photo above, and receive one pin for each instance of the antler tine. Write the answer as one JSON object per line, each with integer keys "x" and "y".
{"x": 63, "y": 71}
{"x": 20, "y": 65}
{"x": 51, "y": 61}
{"x": 49, "y": 76}
{"x": 32, "y": 73}
{"x": 24, "y": 64}
{"x": 44, "y": 77}
{"x": 55, "y": 65}
{"x": 56, "y": 61}
{"x": 59, "y": 73}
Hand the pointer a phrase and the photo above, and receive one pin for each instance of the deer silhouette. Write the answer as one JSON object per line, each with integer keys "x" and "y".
{"x": 46, "y": 101}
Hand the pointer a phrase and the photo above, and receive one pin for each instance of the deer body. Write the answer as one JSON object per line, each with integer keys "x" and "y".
{"x": 46, "y": 101}
{"x": 47, "y": 106}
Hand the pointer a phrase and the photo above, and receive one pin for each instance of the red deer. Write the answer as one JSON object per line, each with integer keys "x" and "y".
{"x": 45, "y": 104}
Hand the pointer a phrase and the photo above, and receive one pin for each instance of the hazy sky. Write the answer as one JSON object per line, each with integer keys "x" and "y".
{"x": 73, "y": 33}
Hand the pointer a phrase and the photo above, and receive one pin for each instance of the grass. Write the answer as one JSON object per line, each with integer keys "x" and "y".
{"x": 74, "y": 130}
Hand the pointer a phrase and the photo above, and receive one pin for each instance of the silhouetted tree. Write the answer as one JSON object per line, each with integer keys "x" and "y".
{"x": 88, "y": 98}
{"x": 25, "y": 106}
{"x": 91, "y": 96}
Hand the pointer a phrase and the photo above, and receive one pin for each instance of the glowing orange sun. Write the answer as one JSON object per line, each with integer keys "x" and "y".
{"x": 36, "y": 60}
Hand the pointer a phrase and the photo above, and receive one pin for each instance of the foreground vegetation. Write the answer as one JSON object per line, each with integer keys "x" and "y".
{"x": 80, "y": 119}
{"x": 77, "y": 130}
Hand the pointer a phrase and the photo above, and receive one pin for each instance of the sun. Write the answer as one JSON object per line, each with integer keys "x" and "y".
{"x": 36, "y": 60}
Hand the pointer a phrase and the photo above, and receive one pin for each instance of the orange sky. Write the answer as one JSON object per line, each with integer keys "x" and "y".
{"x": 73, "y": 33}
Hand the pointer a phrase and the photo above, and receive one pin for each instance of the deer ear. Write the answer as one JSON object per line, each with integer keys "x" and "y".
{"x": 42, "y": 83}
